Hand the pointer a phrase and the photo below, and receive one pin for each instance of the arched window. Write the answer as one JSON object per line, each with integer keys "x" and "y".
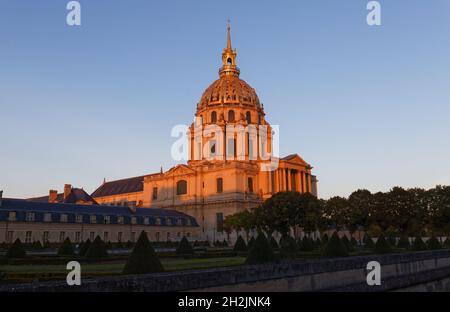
{"x": 219, "y": 185}
{"x": 213, "y": 117}
{"x": 229, "y": 61}
{"x": 231, "y": 115}
{"x": 181, "y": 187}
{"x": 248, "y": 117}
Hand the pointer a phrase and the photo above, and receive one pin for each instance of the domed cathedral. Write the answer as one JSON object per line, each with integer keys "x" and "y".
{"x": 231, "y": 166}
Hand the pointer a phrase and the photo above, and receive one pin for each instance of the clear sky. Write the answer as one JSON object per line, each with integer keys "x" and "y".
{"x": 368, "y": 107}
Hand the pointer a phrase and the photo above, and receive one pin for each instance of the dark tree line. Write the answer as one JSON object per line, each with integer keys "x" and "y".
{"x": 398, "y": 212}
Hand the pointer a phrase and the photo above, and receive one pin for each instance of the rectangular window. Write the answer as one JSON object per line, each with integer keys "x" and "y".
{"x": 62, "y": 236}
{"x": 28, "y": 237}
{"x": 133, "y": 220}
{"x": 168, "y": 221}
{"x": 92, "y": 236}
{"x": 188, "y": 222}
{"x": 219, "y": 222}
{"x": 158, "y": 221}
{"x": 30, "y": 216}
{"x": 12, "y": 216}
{"x": 231, "y": 149}
{"x": 157, "y": 236}
{"x": 63, "y": 218}
{"x": 107, "y": 219}
{"x": 105, "y": 237}
{"x": 45, "y": 237}
{"x": 120, "y": 219}
{"x": 179, "y": 222}
{"x": 93, "y": 219}
{"x": 10, "y": 236}
{"x": 168, "y": 236}
{"x": 188, "y": 234}
{"x": 47, "y": 217}
{"x": 77, "y": 237}
{"x": 79, "y": 218}
{"x": 133, "y": 237}
{"x": 219, "y": 185}
{"x": 146, "y": 221}
{"x": 119, "y": 236}
{"x": 250, "y": 185}
{"x": 155, "y": 193}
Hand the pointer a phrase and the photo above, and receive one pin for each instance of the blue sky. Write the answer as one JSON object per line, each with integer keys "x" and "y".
{"x": 368, "y": 107}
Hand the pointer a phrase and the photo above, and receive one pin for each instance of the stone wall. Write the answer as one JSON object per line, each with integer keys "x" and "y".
{"x": 398, "y": 271}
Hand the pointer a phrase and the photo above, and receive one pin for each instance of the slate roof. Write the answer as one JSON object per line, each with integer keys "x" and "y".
{"x": 76, "y": 194}
{"x": 130, "y": 185}
{"x": 21, "y": 207}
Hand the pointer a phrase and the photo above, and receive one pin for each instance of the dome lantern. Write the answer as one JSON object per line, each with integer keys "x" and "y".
{"x": 229, "y": 67}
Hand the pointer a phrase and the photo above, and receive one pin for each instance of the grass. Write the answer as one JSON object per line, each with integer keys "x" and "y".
{"x": 26, "y": 273}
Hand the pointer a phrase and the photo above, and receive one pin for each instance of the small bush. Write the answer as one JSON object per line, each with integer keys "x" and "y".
{"x": 83, "y": 248}
{"x": 418, "y": 244}
{"x": 382, "y": 245}
{"x": 260, "y": 252}
{"x": 447, "y": 243}
{"x": 335, "y": 247}
{"x": 16, "y": 250}
{"x": 184, "y": 247}
{"x": 250, "y": 243}
{"x": 288, "y": 247}
{"x": 66, "y": 249}
{"x": 143, "y": 259}
{"x": 347, "y": 243}
{"x": 325, "y": 239}
{"x": 37, "y": 245}
{"x": 368, "y": 242}
{"x": 273, "y": 243}
{"x": 224, "y": 243}
{"x": 97, "y": 249}
{"x": 307, "y": 244}
{"x": 240, "y": 245}
{"x": 129, "y": 244}
{"x": 403, "y": 242}
{"x": 434, "y": 244}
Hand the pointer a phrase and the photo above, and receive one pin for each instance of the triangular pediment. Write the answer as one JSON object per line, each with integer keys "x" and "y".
{"x": 295, "y": 159}
{"x": 180, "y": 170}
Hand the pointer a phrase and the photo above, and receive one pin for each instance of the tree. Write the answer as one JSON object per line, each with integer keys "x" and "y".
{"x": 260, "y": 252}
{"x": 360, "y": 206}
{"x": 83, "y": 248}
{"x": 335, "y": 247}
{"x": 288, "y": 247}
{"x": 97, "y": 249}
{"x": 240, "y": 245}
{"x": 336, "y": 212}
{"x": 382, "y": 246}
{"x": 143, "y": 259}
{"x": 418, "y": 244}
{"x": 184, "y": 247}
{"x": 403, "y": 242}
{"x": 368, "y": 242}
{"x": 273, "y": 243}
{"x": 433, "y": 243}
{"x": 66, "y": 249}
{"x": 250, "y": 243}
{"x": 307, "y": 244}
{"x": 16, "y": 250}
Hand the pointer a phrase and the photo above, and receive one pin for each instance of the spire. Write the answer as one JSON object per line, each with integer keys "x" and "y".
{"x": 228, "y": 37}
{"x": 229, "y": 67}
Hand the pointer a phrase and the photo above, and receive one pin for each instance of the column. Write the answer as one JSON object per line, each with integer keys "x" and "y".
{"x": 288, "y": 180}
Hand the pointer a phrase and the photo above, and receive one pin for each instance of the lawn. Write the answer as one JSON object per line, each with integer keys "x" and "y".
{"x": 26, "y": 273}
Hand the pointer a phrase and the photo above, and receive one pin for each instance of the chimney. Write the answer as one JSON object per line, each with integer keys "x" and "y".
{"x": 1, "y": 198}
{"x": 52, "y": 196}
{"x": 67, "y": 190}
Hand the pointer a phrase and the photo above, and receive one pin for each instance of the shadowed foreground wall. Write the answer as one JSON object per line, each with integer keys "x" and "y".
{"x": 399, "y": 271}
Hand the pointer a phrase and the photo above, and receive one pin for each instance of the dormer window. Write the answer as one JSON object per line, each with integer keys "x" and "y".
{"x": 63, "y": 218}
{"x": 30, "y": 216}
{"x": 12, "y": 216}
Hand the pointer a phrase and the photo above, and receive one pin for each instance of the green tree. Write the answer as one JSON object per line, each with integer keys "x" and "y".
{"x": 185, "y": 248}
{"x": 66, "y": 249}
{"x": 335, "y": 247}
{"x": 143, "y": 259}
{"x": 382, "y": 245}
{"x": 83, "y": 248}
{"x": 16, "y": 250}
{"x": 260, "y": 252}
{"x": 418, "y": 244}
{"x": 97, "y": 249}
{"x": 240, "y": 245}
{"x": 288, "y": 247}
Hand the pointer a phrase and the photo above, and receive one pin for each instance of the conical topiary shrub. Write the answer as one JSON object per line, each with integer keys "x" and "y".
{"x": 403, "y": 242}
{"x": 307, "y": 244}
{"x": 347, "y": 243}
{"x": 434, "y": 244}
{"x": 184, "y": 247}
{"x": 354, "y": 242}
{"x": 97, "y": 249}
{"x": 447, "y": 243}
{"x": 37, "y": 245}
{"x": 16, "y": 250}
{"x": 382, "y": 245}
{"x": 224, "y": 243}
{"x": 66, "y": 249}
{"x": 260, "y": 252}
{"x": 83, "y": 248}
{"x": 325, "y": 239}
{"x": 368, "y": 242}
{"x": 143, "y": 258}
{"x": 418, "y": 244}
{"x": 250, "y": 243}
{"x": 299, "y": 244}
{"x": 317, "y": 243}
{"x": 273, "y": 243}
{"x": 335, "y": 247}
{"x": 288, "y": 247}
{"x": 240, "y": 245}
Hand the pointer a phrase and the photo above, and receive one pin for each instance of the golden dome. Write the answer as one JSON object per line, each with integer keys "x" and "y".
{"x": 229, "y": 88}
